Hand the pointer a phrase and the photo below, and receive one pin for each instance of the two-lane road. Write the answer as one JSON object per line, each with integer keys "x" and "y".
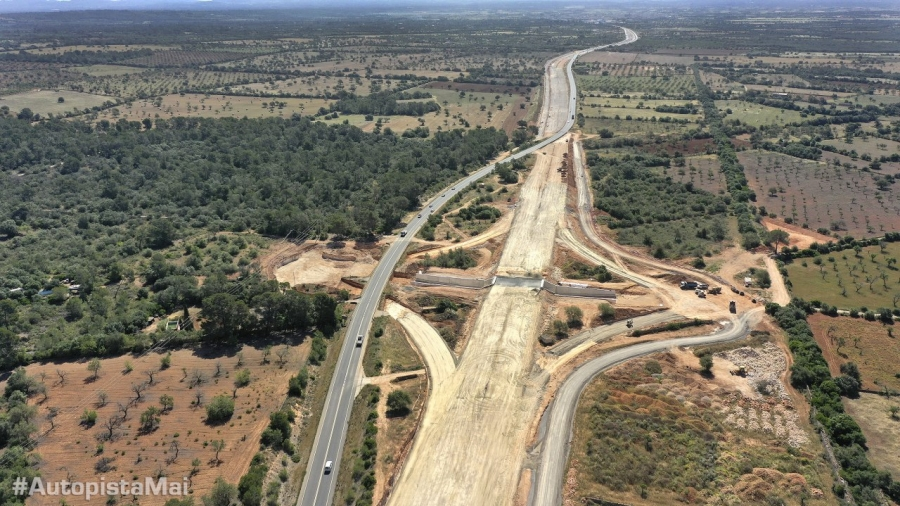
{"x": 556, "y": 426}
{"x": 318, "y": 487}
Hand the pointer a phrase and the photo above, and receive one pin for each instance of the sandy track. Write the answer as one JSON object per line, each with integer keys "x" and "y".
{"x": 779, "y": 290}
{"x": 529, "y": 246}
{"x": 437, "y": 357}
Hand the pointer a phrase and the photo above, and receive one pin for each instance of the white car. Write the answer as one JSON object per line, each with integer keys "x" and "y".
{"x": 359, "y": 341}
{"x": 328, "y": 466}
{"x": 420, "y": 216}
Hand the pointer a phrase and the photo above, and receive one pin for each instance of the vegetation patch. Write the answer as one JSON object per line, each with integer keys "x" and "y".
{"x": 644, "y": 436}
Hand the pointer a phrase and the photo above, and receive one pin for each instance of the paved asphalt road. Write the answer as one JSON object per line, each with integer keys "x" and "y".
{"x": 318, "y": 487}
{"x": 556, "y": 425}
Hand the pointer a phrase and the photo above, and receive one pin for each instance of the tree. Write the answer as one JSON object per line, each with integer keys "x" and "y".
{"x": 150, "y": 419}
{"x": 102, "y": 399}
{"x": 138, "y": 389}
{"x": 574, "y": 315}
{"x": 241, "y": 379}
{"x": 9, "y": 228}
{"x": 167, "y": 402}
{"x": 777, "y": 237}
{"x": 560, "y": 329}
{"x": 706, "y": 363}
{"x": 398, "y": 403}
{"x": 221, "y": 494}
{"x": 267, "y": 351}
{"x": 94, "y": 367}
{"x": 282, "y": 354}
{"x": 225, "y": 316}
{"x": 219, "y": 409}
{"x": 165, "y": 362}
{"x": 160, "y": 233}
{"x": 9, "y": 314}
{"x": 895, "y": 412}
{"x": 217, "y": 445}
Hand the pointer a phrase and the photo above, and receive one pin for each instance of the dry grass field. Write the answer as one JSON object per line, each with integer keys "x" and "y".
{"x": 867, "y": 344}
{"x": 882, "y": 430}
{"x": 72, "y": 449}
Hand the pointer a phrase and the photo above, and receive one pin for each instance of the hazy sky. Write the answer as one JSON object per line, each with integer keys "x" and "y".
{"x": 63, "y": 5}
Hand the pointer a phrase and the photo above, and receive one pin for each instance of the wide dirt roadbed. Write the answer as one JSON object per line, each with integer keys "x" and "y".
{"x": 529, "y": 246}
{"x": 472, "y": 442}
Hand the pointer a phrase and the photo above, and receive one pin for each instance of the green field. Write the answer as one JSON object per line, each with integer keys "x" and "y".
{"x": 45, "y": 102}
{"x": 755, "y": 114}
{"x": 849, "y": 281}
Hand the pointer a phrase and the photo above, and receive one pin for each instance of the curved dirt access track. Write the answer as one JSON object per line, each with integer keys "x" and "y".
{"x": 435, "y": 353}
{"x": 556, "y": 426}
{"x": 489, "y": 401}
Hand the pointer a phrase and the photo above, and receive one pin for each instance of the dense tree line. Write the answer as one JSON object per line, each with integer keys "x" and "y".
{"x": 810, "y": 371}
{"x": 735, "y": 180}
{"x": 384, "y": 103}
{"x": 17, "y": 426}
{"x": 76, "y": 57}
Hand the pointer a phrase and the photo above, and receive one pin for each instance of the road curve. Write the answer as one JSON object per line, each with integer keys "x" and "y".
{"x": 318, "y": 487}
{"x": 556, "y": 425}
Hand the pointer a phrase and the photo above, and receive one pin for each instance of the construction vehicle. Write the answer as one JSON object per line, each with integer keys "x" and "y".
{"x": 716, "y": 290}
{"x": 701, "y": 294}
{"x": 702, "y": 286}
{"x": 740, "y": 371}
{"x": 688, "y": 285}
{"x": 629, "y": 323}
{"x": 732, "y": 306}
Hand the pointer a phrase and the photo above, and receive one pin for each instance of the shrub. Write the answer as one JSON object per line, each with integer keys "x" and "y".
{"x": 219, "y": 409}
{"x": 88, "y": 418}
{"x": 398, "y": 403}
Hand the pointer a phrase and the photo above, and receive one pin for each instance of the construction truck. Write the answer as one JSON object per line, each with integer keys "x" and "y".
{"x": 688, "y": 285}
{"x": 732, "y": 306}
{"x": 716, "y": 290}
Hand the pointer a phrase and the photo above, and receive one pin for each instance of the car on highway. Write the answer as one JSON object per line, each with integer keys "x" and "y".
{"x": 444, "y": 195}
{"x": 420, "y": 215}
{"x": 328, "y": 466}
{"x": 403, "y": 234}
{"x": 358, "y": 341}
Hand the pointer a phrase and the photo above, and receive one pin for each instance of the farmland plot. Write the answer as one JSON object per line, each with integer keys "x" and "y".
{"x": 821, "y": 196}
{"x": 74, "y": 450}
{"x": 675, "y": 86}
{"x": 214, "y": 106}
{"x": 755, "y": 114}
{"x": 47, "y": 101}
{"x": 849, "y": 280}
{"x": 703, "y": 171}
{"x": 150, "y": 83}
{"x": 867, "y": 344}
